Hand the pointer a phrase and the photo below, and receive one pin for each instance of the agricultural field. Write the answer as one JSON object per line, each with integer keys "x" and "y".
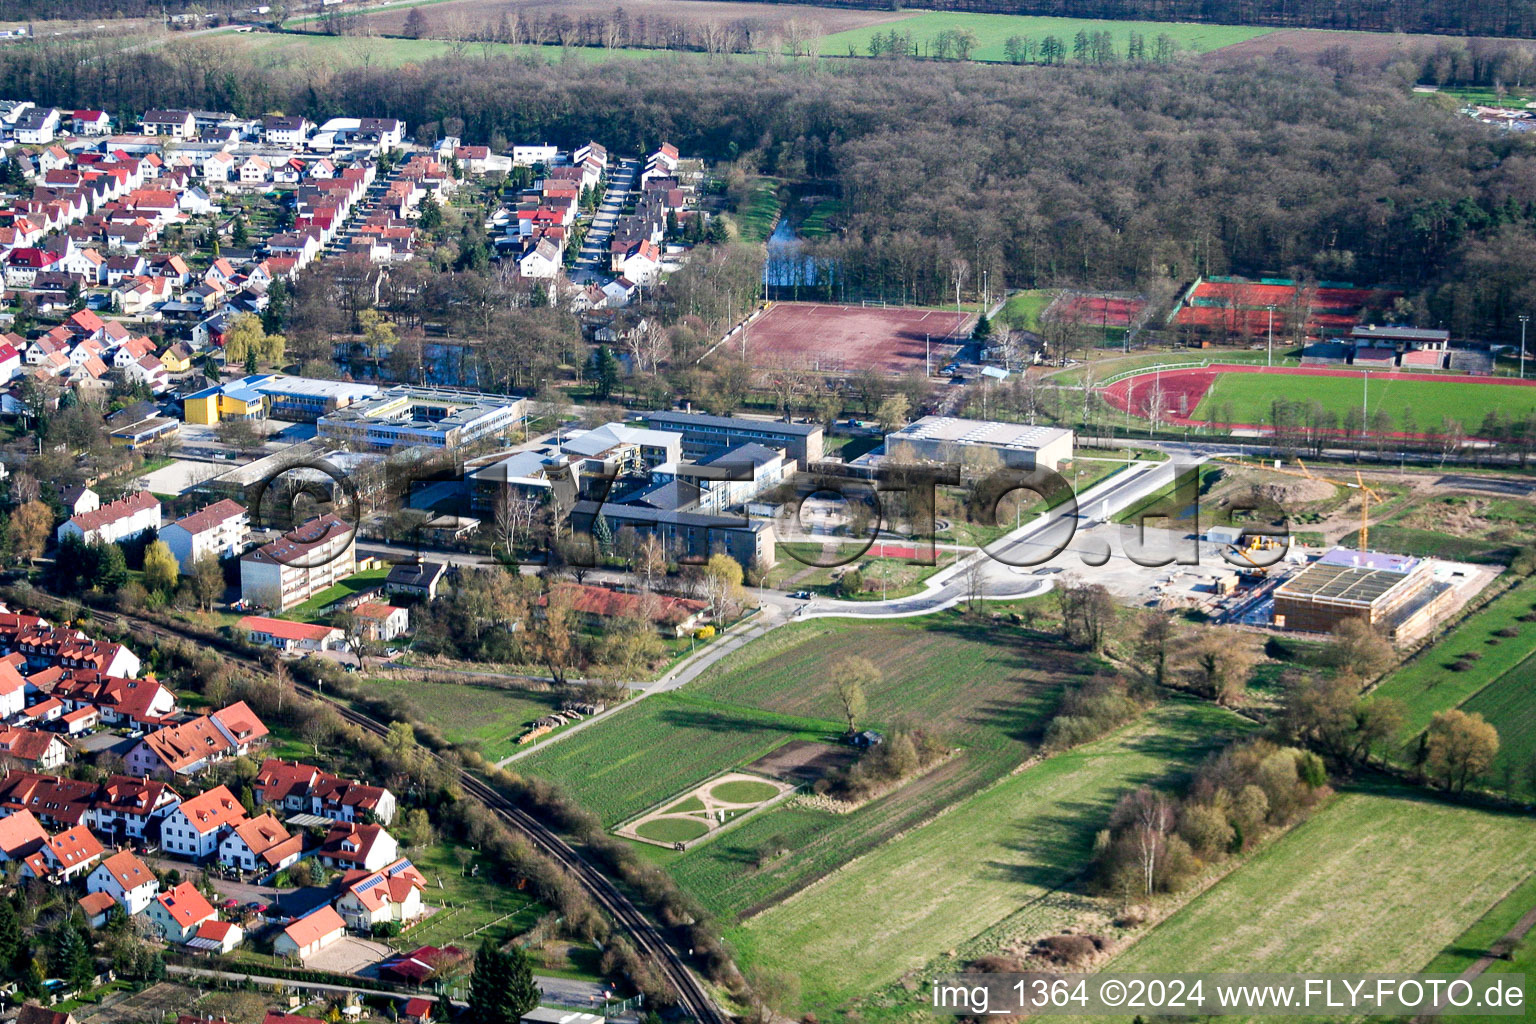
{"x": 993, "y": 30}
{"x": 996, "y": 864}
{"x": 1509, "y": 704}
{"x": 488, "y": 717}
{"x": 278, "y": 50}
{"x": 1361, "y": 886}
{"x": 1431, "y": 682}
{"x": 444, "y": 15}
{"x": 1250, "y": 398}
{"x": 1471, "y": 944}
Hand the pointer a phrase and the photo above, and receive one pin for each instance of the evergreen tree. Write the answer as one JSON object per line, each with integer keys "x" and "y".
{"x": 607, "y": 367}
{"x": 10, "y": 934}
{"x": 983, "y": 329}
{"x": 238, "y": 233}
{"x": 111, "y": 567}
{"x": 71, "y": 956}
{"x": 501, "y": 989}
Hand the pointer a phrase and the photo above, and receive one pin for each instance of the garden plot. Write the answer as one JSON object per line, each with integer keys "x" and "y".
{"x": 707, "y": 808}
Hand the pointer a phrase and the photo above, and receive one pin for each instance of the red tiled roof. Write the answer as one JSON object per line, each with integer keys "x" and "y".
{"x": 186, "y": 905}
{"x": 113, "y": 511}
{"x": 306, "y": 930}
{"x": 285, "y": 629}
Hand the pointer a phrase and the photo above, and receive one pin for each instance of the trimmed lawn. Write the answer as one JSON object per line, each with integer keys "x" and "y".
{"x": 1427, "y": 684}
{"x": 1252, "y": 396}
{"x": 1023, "y": 309}
{"x": 1376, "y": 881}
{"x": 1471, "y": 944}
{"x": 757, "y": 216}
{"x": 672, "y": 830}
{"x": 468, "y": 904}
{"x": 356, "y": 584}
{"x": 485, "y": 716}
{"x": 663, "y": 745}
{"x": 993, "y": 30}
{"x": 996, "y": 859}
{"x": 740, "y": 792}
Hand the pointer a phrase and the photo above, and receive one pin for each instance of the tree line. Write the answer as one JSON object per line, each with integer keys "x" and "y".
{"x": 1456, "y": 17}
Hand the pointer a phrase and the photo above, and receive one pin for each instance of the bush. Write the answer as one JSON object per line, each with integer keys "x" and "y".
{"x": 704, "y": 633}
{"x": 1067, "y": 950}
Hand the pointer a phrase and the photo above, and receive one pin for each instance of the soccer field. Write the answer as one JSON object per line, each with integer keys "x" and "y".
{"x": 1416, "y": 406}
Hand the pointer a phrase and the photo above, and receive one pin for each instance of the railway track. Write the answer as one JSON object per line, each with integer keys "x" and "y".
{"x": 647, "y": 939}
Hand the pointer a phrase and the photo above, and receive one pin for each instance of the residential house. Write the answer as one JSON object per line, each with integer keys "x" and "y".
{"x": 415, "y": 579}
{"x": 260, "y": 844}
{"x": 220, "y": 530}
{"x": 178, "y": 124}
{"x": 286, "y": 635}
{"x": 193, "y": 829}
{"x": 391, "y": 895}
{"x": 91, "y": 122}
{"x": 295, "y": 787}
{"x": 191, "y": 746}
{"x": 130, "y": 808}
{"x": 175, "y": 916}
{"x": 95, "y": 907}
{"x": 216, "y": 937}
{"x": 310, "y": 934}
{"x": 382, "y": 622}
{"x": 21, "y": 836}
{"x": 115, "y": 521}
{"x": 40, "y": 751}
{"x": 68, "y": 854}
{"x": 127, "y": 880}
{"x": 351, "y": 845}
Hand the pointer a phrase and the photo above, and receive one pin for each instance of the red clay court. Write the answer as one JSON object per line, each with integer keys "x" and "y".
{"x": 814, "y": 336}
{"x": 1239, "y": 307}
{"x": 1106, "y": 310}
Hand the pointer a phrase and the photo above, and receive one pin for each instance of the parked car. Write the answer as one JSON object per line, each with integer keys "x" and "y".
{"x": 801, "y": 595}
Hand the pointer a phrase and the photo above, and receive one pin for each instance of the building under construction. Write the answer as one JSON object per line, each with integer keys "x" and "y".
{"x": 1397, "y": 594}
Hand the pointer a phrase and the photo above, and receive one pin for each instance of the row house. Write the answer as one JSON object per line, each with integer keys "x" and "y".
{"x": 305, "y": 789}
{"x": 194, "y": 828}
{"x": 40, "y": 751}
{"x": 115, "y": 521}
{"x": 121, "y": 700}
{"x": 260, "y": 844}
{"x": 191, "y": 746}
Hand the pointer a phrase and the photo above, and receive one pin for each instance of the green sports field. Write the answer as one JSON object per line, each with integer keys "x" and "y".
{"x": 1417, "y": 404}
{"x": 993, "y": 30}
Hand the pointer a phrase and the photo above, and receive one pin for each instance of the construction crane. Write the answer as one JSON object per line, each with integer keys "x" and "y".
{"x": 1359, "y": 484}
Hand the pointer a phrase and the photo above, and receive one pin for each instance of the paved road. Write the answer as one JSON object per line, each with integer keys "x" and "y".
{"x": 592, "y": 260}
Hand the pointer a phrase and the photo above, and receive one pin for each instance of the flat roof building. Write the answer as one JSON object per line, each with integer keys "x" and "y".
{"x": 423, "y": 417}
{"x": 945, "y": 439}
{"x": 1395, "y": 593}
{"x": 275, "y": 395}
{"x": 705, "y": 437}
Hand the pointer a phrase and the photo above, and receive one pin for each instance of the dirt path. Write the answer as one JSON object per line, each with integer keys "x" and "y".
{"x": 1524, "y": 925}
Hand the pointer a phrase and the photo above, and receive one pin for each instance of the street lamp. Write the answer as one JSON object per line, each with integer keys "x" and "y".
{"x": 1523, "y": 321}
{"x": 1271, "y": 309}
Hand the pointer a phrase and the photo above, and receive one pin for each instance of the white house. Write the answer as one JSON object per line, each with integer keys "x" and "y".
{"x": 392, "y": 894}
{"x": 176, "y": 915}
{"x": 116, "y": 520}
{"x": 192, "y": 830}
{"x": 350, "y": 845}
{"x": 127, "y": 880}
{"x": 260, "y": 844}
{"x": 542, "y": 262}
{"x": 382, "y": 622}
{"x": 71, "y": 853}
{"x": 527, "y": 156}
{"x": 220, "y": 529}
{"x": 291, "y": 636}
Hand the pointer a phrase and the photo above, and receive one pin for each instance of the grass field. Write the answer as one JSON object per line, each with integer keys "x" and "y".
{"x": 488, "y": 717}
{"x": 758, "y": 214}
{"x": 993, "y": 30}
{"x": 1509, "y": 703}
{"x": 1471, "y": 944}
{"x": 997, "y": 859}
{"x": 336, "y": 52}
{"x": 984, "y": 688}
{"x": 664, "y": 745}
{"x": 1023, "y": 309}
{"x": 1251, "y": 397}
{"x": 467, "y": 903}
{"x": 355, "y": 584}
{"x": 1376, "y": 881}
{"x": 1427, "y": 684}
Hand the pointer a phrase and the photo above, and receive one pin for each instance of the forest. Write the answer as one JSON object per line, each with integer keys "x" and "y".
{"x": 1117, "y": 176}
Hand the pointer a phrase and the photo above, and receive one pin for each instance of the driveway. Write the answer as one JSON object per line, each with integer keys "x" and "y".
{"x": 348, "y": 955}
